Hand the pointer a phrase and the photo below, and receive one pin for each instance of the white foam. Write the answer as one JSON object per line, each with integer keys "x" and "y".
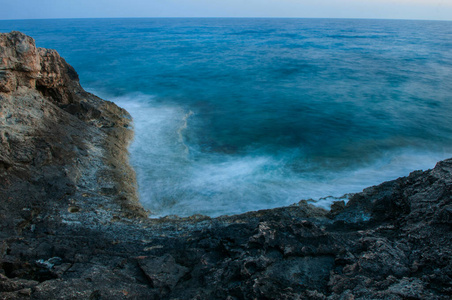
{"x": 172, "y": 182}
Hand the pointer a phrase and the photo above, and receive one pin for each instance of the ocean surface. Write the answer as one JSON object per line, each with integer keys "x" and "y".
{"x": 233, "y": 115}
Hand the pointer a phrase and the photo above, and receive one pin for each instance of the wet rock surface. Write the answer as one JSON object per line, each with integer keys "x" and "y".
{"x": 71, "y": 226}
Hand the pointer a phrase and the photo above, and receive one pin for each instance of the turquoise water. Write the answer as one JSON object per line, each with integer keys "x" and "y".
{"x": 233, "y": 115}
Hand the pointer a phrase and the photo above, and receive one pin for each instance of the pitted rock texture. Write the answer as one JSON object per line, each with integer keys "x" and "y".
{"x": 71, "y": 227}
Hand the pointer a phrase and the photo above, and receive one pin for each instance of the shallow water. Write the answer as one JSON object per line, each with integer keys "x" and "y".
{"x": 233, "y": 115}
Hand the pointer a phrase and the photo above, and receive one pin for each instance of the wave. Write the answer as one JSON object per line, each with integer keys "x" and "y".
{"x": 176, "y": 178}
{"x": 180, "y": 131}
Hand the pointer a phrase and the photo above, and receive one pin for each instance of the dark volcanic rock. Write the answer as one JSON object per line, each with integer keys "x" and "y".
{"x": 71, "y": 226}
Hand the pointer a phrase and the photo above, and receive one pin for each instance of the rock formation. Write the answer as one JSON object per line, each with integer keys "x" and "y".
{"x": 72, "y": 228}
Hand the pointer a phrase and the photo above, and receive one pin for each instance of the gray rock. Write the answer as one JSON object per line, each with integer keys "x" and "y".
{"x": 163, "y": 272}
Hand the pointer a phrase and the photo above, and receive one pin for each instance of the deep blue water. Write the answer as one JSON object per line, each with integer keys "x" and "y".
{"x": 234, "y": 115}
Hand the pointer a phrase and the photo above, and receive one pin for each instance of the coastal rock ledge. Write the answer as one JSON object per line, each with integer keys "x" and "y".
{"x": 72, "y": 226}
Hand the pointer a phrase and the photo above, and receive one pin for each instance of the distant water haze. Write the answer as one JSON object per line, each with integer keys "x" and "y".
{"x": 233, "y": 115}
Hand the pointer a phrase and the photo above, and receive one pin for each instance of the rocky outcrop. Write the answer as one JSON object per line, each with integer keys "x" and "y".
{"x": 57, "y": 141}
{"x": 71, "y": 226}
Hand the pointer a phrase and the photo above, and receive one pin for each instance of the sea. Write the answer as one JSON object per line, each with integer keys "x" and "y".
{"x": 234, "y": 115}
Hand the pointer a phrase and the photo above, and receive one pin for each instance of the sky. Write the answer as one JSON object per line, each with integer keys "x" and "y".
{"x": 375, "y": 9}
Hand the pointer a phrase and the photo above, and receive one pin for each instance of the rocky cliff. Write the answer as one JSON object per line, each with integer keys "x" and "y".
{"x": 57, "y": 141}
{"x": 71, "y": 226}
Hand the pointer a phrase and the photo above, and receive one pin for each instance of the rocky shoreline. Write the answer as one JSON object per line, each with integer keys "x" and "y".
{"x": 72, "y": 226}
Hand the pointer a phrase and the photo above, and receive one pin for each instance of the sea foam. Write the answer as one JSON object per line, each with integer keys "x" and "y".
{"x": 175, "y": 179}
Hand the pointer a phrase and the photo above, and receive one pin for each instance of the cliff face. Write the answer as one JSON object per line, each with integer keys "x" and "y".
{"x": 71, "y": 226}
{"x": 57, "y": 141}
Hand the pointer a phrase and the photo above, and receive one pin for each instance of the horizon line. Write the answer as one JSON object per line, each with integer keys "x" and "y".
{"x": 323, "y": 18}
